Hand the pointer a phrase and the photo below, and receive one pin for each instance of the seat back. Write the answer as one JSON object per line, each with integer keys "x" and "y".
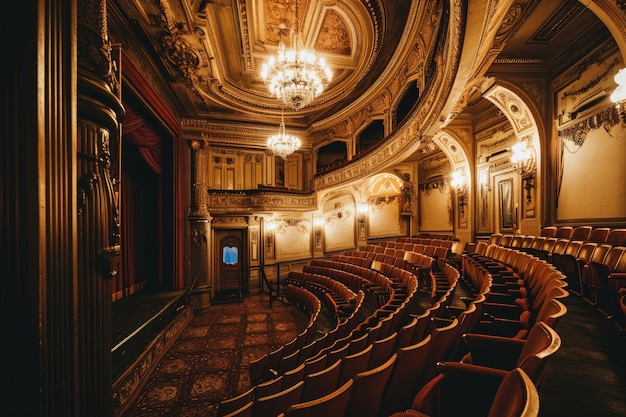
{"x": 564, "y": 231}
{"x": 516, "y": 242}
{"x": 355, "y": 363}
{"x": 321, "y": 383}
{"x": 402, "y": 384}
{"x": 333, "y": 404}
{"x": 494, "y": 239}
{"x": 541, "y": 344}
{"x": 270, "y": 387}
{"x": 617, "y": 237}
{"x": 381, "y": 350}
{"x": 292, "y": 377}
{"x": 233, "y": 404}
{"x": 548, "y": 231}
{"x": 581, "y": 233}
{"x": 367, "y": 392}
{"x": 600, "y": 253}
{"x": 275, "y": 404}
{"x": 244, "y": 411}
{"x": 599, "y": 234}
{"x": 517, "y": 396}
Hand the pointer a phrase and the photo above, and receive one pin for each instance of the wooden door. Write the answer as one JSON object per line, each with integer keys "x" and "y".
{"x": 231, "y": 261}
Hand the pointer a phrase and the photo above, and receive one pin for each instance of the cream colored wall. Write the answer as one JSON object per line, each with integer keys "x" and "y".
{"x": 594, "y": 177}
{"x": 435, "y": 209}
{"x": 591, "y": 175}
{"x": 293, "y": 237}
{"x": 339, "y": 214}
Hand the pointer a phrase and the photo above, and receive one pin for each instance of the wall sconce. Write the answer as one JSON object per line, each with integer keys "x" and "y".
{"x": 526, "y": 165}
{"x": 362, "y": 209}
{"x": 459, "y": 182}
{"x": 619, "y": 95}
{"x": 484, "y": 180}
{"x": 318, "y": 223}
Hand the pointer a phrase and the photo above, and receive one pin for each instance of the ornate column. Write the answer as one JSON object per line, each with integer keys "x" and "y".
{"x": 199, "y": 227}
{"x": 99, "y": 114}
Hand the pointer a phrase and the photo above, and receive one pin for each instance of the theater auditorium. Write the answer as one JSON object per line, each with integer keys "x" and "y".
{"x": 342, "y": 208}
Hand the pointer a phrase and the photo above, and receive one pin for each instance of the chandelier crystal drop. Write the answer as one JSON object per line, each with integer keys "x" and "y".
{"x": 282, "y": 143}
{"x": 296, "y": 76}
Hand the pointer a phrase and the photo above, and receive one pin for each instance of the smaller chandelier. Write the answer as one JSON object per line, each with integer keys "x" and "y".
{"x": 282, "y": 143}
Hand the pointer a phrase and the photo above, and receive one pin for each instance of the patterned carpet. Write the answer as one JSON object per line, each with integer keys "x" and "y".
{"x": 209, "y": 362}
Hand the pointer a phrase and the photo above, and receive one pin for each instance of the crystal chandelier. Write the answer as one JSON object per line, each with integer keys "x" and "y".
{"x": 296, "y": 76}
{"x": 282, "y": 143}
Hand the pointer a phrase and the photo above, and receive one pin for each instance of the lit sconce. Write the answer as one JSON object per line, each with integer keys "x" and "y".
{"x": 318, "y": 223}
{"x": 484, "y": 180}
{"x": 362, "y": 210}
{"x": 459, "y": 183}
{"x": 524, "y": 159}
{"x": 619, "y": 95}
{"x": 270, "y": 226}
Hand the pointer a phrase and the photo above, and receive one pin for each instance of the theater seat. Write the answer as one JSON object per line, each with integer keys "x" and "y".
{"x": 532, "y": 354}
{"x": 467, "y": 390}
{"x": 333, "y": 404}
{"x": 367, "y": 390}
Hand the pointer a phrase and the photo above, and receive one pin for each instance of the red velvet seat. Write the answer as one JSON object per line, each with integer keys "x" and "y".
{"x": 367, "y": 390}
{"x": 532, "y": 354}
{"x": 333, "y": 404}
{"x": 599, "y": 234}
{"x": 467, "y": 390}
{"x": 617, "y": 237}
{"x": 402, "y": 383}
{"x": 275, "y": 404}
{"x": 234, "y": 404}
{"x": 321, "y": 383}
{"x": 548, "y": 231}
{"x": 581, "y": 233}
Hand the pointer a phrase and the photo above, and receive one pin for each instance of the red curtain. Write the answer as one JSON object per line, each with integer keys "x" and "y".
{"x": 147, "y": 135}
{"x": 139, "y": 131}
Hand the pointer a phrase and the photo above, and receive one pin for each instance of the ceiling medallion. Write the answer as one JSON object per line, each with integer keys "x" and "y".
{"x": 296, "y": 76}
{"x": 282, "y": 143}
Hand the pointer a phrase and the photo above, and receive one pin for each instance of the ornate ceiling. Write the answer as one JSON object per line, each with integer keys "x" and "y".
{"x": 212, "y": 51}
{"x": 204, "y": 57}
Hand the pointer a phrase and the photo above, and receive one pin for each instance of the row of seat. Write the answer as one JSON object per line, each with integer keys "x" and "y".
{"x": 407, "y": 335}
{"x": 338, "y": 362}
{"x": 287, "y": 364}
{"x": 614, "y": 236}
{"x": 338, "y": 299}
{"x": 419, "y": 344}
{"x": 498, "y": 375}
{"x": 307, "y": 302}
{"x": 596, "y": 271}
{"x": 397, "y": 249}
{"x": 375, "y": 284}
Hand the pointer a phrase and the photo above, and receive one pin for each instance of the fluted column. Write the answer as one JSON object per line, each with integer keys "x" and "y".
{"x": 199, "y": 226}
{"x": 99, "y": 114}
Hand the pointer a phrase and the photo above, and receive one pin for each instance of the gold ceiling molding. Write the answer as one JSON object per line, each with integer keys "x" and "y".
{"x": 516, "y": 111}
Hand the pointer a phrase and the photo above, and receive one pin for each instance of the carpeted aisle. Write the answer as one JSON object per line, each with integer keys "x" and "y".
{"x": 209, "y": 362}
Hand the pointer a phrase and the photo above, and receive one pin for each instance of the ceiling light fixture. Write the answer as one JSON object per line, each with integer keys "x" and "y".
{"x": 295, "y": 76}
{"x": 282, "y": 143}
